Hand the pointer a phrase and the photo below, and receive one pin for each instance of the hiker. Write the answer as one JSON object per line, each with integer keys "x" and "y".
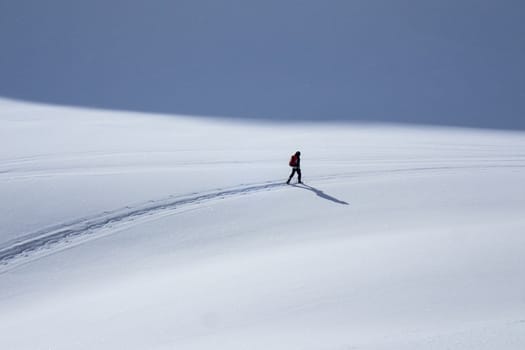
{"x": 295, "y": 163}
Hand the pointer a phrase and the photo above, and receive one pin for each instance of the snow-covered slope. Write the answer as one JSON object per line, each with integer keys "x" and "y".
{"x": 122, "y": 230}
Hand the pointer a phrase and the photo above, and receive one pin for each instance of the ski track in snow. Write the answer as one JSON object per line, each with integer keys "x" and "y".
{"x": 66, "y": 235}
{"x": 59, "y": 237}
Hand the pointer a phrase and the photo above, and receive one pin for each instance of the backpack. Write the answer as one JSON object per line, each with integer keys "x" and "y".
{"x": 293, "y": 161}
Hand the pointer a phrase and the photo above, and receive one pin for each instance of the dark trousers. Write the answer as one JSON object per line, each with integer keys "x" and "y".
{"x": 298, "y": 170}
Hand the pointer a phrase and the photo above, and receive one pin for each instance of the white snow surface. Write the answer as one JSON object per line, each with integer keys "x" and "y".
{"x": 123, "y": 230}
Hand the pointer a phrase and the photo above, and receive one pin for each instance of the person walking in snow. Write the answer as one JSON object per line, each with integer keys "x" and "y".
{"x": 295, "y": 163}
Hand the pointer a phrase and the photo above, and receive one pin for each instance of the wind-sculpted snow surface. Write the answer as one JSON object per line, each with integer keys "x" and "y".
{"x": 136, "y": 231}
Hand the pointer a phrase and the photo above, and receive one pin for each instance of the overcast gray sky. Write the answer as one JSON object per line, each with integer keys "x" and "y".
{"x": 447, "y": 62}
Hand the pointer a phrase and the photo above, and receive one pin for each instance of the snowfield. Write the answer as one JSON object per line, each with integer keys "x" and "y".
{"x": 123, "y": 230}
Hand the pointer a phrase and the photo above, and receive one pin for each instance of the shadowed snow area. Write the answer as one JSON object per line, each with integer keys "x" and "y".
{"x": 144, "y": 231}
{"x": 448, "y": 62}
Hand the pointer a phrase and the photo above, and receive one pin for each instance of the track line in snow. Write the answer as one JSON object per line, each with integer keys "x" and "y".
{"x": 75, "y": 167}
{"x": 43, "y": 242}
{"x": 59, "y": 237}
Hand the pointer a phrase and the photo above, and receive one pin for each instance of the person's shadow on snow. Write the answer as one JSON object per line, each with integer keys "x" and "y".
{"x": 320, "y": 193}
